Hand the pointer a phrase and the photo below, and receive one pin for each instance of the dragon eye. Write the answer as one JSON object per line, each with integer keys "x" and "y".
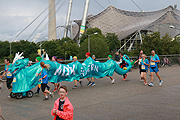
{"x": 16, "y": 62}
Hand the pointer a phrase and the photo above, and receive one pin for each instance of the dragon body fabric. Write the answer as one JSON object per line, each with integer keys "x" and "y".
{"x": 25, "y": 78}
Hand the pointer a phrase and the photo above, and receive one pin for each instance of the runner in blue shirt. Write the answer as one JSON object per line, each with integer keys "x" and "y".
{"x": 44, "y": 80}
{"x": 9, "y": 75}
{"x": 144, "y": 68}
{"x": 38, "y": 59}
{"x": 154, "y": 59}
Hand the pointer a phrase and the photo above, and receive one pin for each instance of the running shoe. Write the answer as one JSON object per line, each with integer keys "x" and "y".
{"x": 55, "y": 89}
{"x": 46, "y": 99}
{"x": 74, "y": 87}
{"x": 93, "y": 84}
{"x": 113, "y": 81}
{"x": 9, "y": 96}
{"x": 81, "y": 83}
{"x": 151, "y": 84}
{"x": 125, "y": 76}
{"x": 160, "y": 83}
{"x": 145, "y": 83}
{"x": 89, "y": 84}
{"x": 123, "y": 79}
{"x": 36, "y": 93}
{"x": 52, "y": 94}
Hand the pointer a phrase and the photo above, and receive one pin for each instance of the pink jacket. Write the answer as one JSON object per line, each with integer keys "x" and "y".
{"x": 67, "y": 112}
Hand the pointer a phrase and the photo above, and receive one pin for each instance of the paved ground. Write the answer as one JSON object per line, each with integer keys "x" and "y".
{"x": 124, "y": 100}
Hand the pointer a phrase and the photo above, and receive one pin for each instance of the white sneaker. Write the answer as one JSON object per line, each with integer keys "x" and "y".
{"x": 151, "y": 84}
{"x": 113, "y": 81}
{"x": 160, "y": 83}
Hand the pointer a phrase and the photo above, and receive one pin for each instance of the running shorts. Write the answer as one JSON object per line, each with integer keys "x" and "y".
{"x": 43, "y": 86}
{"x": 8, "y": 82}
{"x": 154, "y": 69}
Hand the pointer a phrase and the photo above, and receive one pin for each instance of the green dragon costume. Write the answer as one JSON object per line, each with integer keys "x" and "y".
{"x": 25, "y": 78}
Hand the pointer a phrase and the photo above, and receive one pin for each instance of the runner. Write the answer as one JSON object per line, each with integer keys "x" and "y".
{"x": 144, "y": 68}
{"x": 90, "y": 83}
{"x": 80, "y": 82}
{"x": 94, "y": 57}
{"x": 139, "y": 58}
{"x": 29, "y": 63}
{"x": 117, "y": 58}
{"x": 56, "y": 85}
{"x": 112, "y": 80}
{"x": 9, "y": 75}
{"x": 123, "y": 65}
{"x": 154, "y": 59}
{"x": 44, "y": 80}
{"x": 38, "y": 59}
{"x": 63, "y": 109}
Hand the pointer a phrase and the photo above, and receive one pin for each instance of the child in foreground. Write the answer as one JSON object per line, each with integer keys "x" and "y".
{"x": 63, "y": 109}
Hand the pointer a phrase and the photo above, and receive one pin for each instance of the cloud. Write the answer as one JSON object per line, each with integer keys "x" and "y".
{"x": 17, "y": 14}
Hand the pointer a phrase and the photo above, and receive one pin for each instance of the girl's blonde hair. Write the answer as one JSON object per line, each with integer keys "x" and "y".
{"x": 144, "y": 55}
{"x": 44, "y": 65}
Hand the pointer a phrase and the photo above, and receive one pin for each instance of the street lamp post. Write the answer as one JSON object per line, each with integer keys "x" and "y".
{"x": 88, "y": 44}
{"x": 10, "y": 49}
{"x": 89, "y": 40}
{"x": 65, "y": 55}
{"x": 10, "y": 46}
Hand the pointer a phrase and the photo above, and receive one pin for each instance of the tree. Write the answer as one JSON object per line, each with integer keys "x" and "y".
{"x": 112, "y": 41}
{"x": 98, "y": 46}
{"x": 50, "y": 47}
{"x": 60, "y": 47}
{"x": 90, "y": 31}
{"x": 32, "y": 56}
{"x": 22, "y": 46}
{"x": 4, "y": 49}
{"x": 162, "y": 45}
{"x": 26, "y": 47}
{"x": 71, "y": 48}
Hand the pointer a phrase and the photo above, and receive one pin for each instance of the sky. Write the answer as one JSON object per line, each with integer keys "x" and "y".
{"x": 15, "y": 15}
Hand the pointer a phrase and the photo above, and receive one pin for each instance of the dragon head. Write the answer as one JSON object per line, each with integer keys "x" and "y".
{"x": 18, "y": 65}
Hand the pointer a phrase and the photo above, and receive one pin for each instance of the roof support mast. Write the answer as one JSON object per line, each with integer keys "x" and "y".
{"x": 52, "y": 21}
{"x": 68, "y": 18}
{"x": 83, "y": 24}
